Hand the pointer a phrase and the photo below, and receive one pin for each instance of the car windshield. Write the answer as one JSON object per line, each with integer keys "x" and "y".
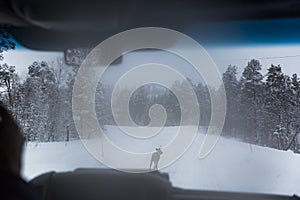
{"x": 257, "y": 151}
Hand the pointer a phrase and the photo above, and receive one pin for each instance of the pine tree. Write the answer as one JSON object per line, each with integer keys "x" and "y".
{"x": 232, "y": 89}
{"x": 279, "y": 101}
{"x": 252, "y": 101}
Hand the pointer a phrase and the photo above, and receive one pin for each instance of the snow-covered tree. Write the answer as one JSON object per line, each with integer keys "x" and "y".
{"x": 279, "y": 98}
{"x": 39, "y": 102}
{"x": 252, "y": 100}
{"x": 232, "y": 88}
{"x": 204, "y": 103}
{"x": 8, "y": 77}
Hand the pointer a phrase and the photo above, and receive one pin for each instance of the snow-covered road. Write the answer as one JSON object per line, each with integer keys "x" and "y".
{"x": 231, "y": 166}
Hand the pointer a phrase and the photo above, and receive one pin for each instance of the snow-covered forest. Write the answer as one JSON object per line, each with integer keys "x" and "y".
{"x": 262, "y": 109}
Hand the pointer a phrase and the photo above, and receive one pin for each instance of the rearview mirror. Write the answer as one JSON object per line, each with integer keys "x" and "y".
{"x": 75, "y": 56}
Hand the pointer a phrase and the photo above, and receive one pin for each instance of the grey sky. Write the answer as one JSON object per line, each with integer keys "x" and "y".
{"x": 287, "y": 56}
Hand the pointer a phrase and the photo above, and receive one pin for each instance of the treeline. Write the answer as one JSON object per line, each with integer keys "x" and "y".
{"x": 262, "y": 109}
{"x": 40, "y": 102}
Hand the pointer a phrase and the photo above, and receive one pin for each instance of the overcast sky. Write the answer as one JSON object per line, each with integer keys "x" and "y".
{"x": 286, "y": 55}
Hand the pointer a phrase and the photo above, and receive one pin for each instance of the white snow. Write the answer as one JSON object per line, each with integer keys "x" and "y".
{"x": 231, "y": 166}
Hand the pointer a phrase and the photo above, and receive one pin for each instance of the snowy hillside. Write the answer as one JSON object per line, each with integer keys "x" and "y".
{"x": 232, "y": 165}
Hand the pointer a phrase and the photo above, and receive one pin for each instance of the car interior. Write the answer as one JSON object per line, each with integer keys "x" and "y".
{"x": 62, "y": 26}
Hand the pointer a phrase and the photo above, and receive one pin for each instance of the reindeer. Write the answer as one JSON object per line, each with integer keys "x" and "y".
{"x": 155, "y": 158}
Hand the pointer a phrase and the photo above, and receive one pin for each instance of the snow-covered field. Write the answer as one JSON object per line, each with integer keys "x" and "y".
{"x": 231, "y": 166}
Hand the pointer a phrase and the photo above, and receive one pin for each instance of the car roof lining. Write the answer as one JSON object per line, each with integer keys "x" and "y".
{"x": 60, "y": 24}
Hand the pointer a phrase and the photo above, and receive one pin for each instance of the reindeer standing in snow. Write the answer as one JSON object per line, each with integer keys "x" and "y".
{"x": 155, "y": 158}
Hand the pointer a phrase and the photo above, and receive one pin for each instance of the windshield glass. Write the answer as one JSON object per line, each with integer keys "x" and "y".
{"x": 258, "y": 150}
